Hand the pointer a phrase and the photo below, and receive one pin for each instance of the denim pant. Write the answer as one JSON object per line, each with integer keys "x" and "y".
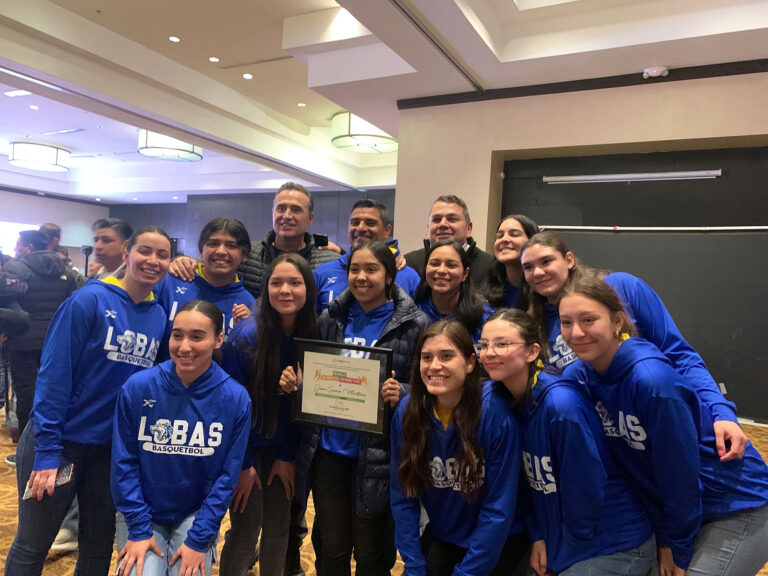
{"x": 635, "y": 562}
{"x": 736, "y": 545}
{"x": 169, "y": 539}
{"x": 39, "y": 521}
{"x": 269, "y": 512}
{"x": 370, "y": 537}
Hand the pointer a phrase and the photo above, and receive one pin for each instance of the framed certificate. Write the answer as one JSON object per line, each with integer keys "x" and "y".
{"x": 342, "y": 385}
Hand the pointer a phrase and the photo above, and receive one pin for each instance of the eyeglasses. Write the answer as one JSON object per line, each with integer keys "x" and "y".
{"x": 499, "y": 346}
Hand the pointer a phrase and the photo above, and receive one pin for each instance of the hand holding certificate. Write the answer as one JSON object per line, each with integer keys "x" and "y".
{"x": 344, "y": 386}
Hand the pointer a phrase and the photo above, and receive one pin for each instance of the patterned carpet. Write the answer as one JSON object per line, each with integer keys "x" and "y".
{"x": 64, "y": 565}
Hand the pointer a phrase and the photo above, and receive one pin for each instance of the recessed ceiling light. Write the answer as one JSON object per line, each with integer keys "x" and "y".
{"x": 213, "y": 59}
{"x": 301, "y": 105}
{"x": 98, "y": 199}
{"x": 174, "y": 197}
{"x": 174, "y": 39}
{"x": 247, "y": 76}
{"x": 34, "y": 107}
{"x": 14, "y": 93}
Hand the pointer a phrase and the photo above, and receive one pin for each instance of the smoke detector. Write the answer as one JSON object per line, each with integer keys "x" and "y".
{"x": 655, "y": 72}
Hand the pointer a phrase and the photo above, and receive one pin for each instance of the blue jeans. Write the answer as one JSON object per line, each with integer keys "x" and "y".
{"x": 39, "y": 522}
{"x": 169, "y": 539}
{"x": 635, "y": 562}
{"x": 269, "y": 512}
{"x": 736, "y": 545}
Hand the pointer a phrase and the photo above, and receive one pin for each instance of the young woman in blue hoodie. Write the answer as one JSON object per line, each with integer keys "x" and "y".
{"x": 445, "y": 292}
{"x": 586, "y": 519}
{"x": 662, "y": 436}
{"x": 259, "y": 353}
{"x": 224, "y": 244}
{"x": 347, "y": 470}
{"x": 98, "y": 338}
{"x": 549, "y": 265}
{"x": 456, "y": 452}
{"x": 180, "y": 431}
{"x": 504, "y": 287}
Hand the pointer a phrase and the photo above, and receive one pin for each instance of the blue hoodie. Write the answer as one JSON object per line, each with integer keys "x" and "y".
{"x": 177, "y": 450}
{"x": 434, "y": 315}
{"x": 237, "y": 360}
{"x": 482, "y": 526}
{"x": 654, "y": 323}
{"x": 173, "y": 293}
{"x": 331, "y": 280}
{"x": 662, "y": 435}
{"x": 96, "y": 340}
{"x": 583, "y": 507}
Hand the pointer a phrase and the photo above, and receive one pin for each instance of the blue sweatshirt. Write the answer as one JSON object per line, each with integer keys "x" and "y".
{"x": 177, "y": 450}
{"x": 662, "y": 435}
{"x": 173, "y": 293}
{"x": 96, "y": 340}
{"x": 237, "y": 360}
{"x": 582, "y": 505}
{"x": 511, "y": 295}
{"x": 331, "y": 280}
{"x": 482, "y": 526}
{"x": 429, "y": 308}
{"x": 362, "y": 329}
{"x": 654, "y": 323}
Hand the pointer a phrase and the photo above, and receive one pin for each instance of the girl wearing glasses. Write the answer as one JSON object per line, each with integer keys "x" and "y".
{"x": 456, "y": 451}
{"x": 445, "y": 292}
{"x": 586, "y": 520}
{"x": 549, "y": 265}
{"x": 662, "y": 437}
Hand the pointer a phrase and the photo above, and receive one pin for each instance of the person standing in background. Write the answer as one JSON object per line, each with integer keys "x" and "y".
{"x": 109, "y": 238}
{"x": 449, "y": 220}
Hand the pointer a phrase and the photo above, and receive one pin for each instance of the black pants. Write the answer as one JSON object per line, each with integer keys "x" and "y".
{"x": 443, "y": 557}
{"x": 370, "y": 537}
{"x": 25, "y": 364}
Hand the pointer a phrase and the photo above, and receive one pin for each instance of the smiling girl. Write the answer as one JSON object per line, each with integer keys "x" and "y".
{"x": 445, "y": 292}
{"x": 180, "y": 431}
{"x": 99, "y": 336}
{"x": 587, "y": 520}
{"x": 224, "y": 244}
{"x": 349, "y": 471}
{"x": 260, "y": 353}
{"x": 505, "y": 281}
{"x": 454, "y": 450}
{"x": 549, "y": 265}
{"x": 662, "y": 436}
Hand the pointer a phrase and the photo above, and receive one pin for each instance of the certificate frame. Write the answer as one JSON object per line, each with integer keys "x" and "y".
{"x": 338, "y": 389}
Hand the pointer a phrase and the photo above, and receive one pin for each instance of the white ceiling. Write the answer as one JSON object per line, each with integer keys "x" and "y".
{"x": 118, "y": 55}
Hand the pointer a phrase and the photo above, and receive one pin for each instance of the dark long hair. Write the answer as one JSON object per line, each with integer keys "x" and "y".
{"x": 469, "y": 310}
{"x": 267, "y": 358}
{"x": 384, "y": 255}
{"x": 497, "y": 278}
{"x": 413, "y": 470}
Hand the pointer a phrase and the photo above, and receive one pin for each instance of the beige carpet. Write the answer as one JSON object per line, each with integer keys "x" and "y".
{"x": 64, "y": 565}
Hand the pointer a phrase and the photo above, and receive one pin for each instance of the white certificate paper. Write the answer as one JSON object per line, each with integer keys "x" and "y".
{"x": 341, "y": 387}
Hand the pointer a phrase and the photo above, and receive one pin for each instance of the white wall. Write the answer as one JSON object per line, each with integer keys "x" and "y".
{"x": 75, "y": 218}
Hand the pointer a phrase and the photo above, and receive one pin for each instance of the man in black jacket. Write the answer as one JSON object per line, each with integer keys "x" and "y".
{"x": 39, "y": 281}
{"x": 449, "y": 219}
{"x": 292, "y": 214}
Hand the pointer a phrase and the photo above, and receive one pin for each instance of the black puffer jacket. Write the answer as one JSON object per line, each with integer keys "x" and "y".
{"x": 255, "y": 266}
{"x": 49, "y": 283}
{"x": 400, "y": 335}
